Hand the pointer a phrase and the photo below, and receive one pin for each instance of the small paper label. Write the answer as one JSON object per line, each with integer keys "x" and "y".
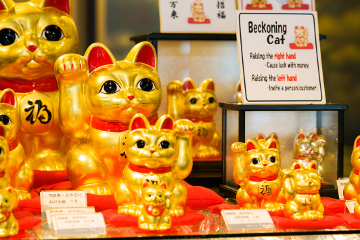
{"x": 75, "y": 224}
{"x": 66, "y": 211}
{"x": 247, "y": 219}
{"x": 350, "y": 204}
{"x": 341, "y": 184}
{"x": 61, "y": 199}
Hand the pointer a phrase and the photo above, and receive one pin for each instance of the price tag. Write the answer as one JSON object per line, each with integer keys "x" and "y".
{"x": 350, "y": 204}
{"x": 66, "y": 211}
{"x": 61, "y": 199}
{"x": 247, "y": 219}
{"x": 341, "y": 184}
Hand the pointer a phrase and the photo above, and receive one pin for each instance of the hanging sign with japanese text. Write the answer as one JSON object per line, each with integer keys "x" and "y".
{"x": 303, "y": 5}
{"x": 194, "y": 16}
{"x": 279, "y": 57}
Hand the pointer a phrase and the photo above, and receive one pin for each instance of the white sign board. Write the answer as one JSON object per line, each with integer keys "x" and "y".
{"x": 341, "y": 185}
{"x": 277, "y": 5}
{"x": 247, "y": 219}
{"x": 350, "y": 204}
{"x": 279, "y": 57}
{"x": 65, "y": 211}
{"x": 197, "y": 16}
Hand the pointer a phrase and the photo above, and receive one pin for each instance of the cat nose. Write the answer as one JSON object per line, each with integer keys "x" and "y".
{"x": 131, "y": 97}
{"x": 152, "y": 151}
{"x": 265, "y": 164}
{"x": 32, "y": 48}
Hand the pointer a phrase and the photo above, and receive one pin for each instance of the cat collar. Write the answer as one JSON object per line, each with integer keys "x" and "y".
{"x": 309, "y": 193}
{"x": 356, "y": 171}
{"x": 258, "y": 179}
{"x": 149, "y": 209}
{"x": 141, "y": 169}
{"x": 23, "y": 86}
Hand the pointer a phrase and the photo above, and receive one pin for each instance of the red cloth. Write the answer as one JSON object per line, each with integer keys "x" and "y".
{"x": 350, "y": 219}
{"x": 190, "y": 217}
{"x": 26, "y": 220}
{"x": 44, "y": 178}
{"x": 327, "y": 222}
{"x": 137, "y": 230}
{"x": 333, "y": 206}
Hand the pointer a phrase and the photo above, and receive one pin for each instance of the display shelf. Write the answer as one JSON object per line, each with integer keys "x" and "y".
{"x": 325, "y": 119}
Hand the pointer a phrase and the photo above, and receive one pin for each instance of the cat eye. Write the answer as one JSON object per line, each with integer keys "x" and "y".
{"x": 5, "y": 119}
{"x": 146, "y": 85}
{"x": 255, "y": 161}
{"x": 164, "y": 144}
{"x": 272, "y": 159}
{"x": 110, "y": 87}
{"x": 7, "y": 36}
{"x": 52, "y": 33}
{"x": 211, "y": 100}
{"x": 193, "y": 100}
{"x": 1, "y": 150}
{"x": 140, "y": 144}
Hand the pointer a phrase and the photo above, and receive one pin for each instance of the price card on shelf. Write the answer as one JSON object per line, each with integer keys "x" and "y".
{"x": 303, "y": 5}
{"x": 79, "y": 224}
{"x": 197, "y": 16}
{"x": 247, "y": 219}
{"x": 341, "y": 184}
{"x": 61, "y": 199}
{"x": 350, "y": 205}
{"x": 279, "y": 57}
{"x": 65, "y": 211}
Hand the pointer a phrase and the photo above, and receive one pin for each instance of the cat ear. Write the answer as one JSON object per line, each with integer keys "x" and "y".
{"x": 260, "y": 136}
{"x": 314, "y": 136}
{"x": 274, "y": 135}
{"x": 163, "y": 185}
{"x": 9, "y": 189}
{"x": 188, "y": 84}
{"x": 62, "y": 5}
{"x": 357, "y": 142}
{"x": 300, "y": 136}
{"x": 311, "y": 166}
{"x": 98, "y": 55}
{"x": 139, "y": 121}
{"x": 297, "y": 166}
{"x": 165, "y": 122}
{"x": 208, "y": 85}
{"x": 143, "y": 52}
{"x": 251, "y": 145}
{"x": 273, "y": 145}
{"x": 6, "y": 4}
{"x": 238, "y": 86}
{"x": 8, "y": 97}
{"x": 145, "y": 184}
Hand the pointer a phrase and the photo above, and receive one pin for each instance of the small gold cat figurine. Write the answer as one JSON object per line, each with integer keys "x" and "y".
{"x": 301, "y": 190}
{"x": 257, "y": 171}
{"x": 98, "y": 98}
{"x": 301, "y": 36}
{"x": 21, "y": 175}
{"x": 8, "y": 223}
{"x": 164, "y": 150}
{"x": 33, "y": 35}
{"x": 351, "y": 189}
{"x": 198, "y": 105}
{"x": 157, "y": 202}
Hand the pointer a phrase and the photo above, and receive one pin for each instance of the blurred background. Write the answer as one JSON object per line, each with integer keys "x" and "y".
{"x": 113, "y": 22}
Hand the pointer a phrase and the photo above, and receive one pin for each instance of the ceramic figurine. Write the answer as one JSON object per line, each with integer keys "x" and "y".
{"x": 294, "y": 3}
{"x": 164, "y": 150}
{"x": 257, "y": 171}
{"x": 98, "y": 98}
{"x": 33, "y": 35}
{"x": 157, "y": 201}
{"x": 8, "y": 223}
{"x": 259, "y": 3}
{"x": 351, "y": 189}
{"x": 198, "y": 105}
{"x": 301, "y": 36}
{"x": 301, "y": 190}
{"x": 21, "y": 175}
{"x": 4, "y": 160}
{"x": 310, "y": 149}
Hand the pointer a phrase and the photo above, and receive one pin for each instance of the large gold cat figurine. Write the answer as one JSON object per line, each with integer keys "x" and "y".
{"x": 257, "y": 171}
{"x": 20, "y": 174}
{"x": 198, "y": 105}
{"x": 33, "y": 35}
{"x": 164, "y": 150}
{"x": 8, "y": 203}
{"x": 98, "y": 98}
{"x": 301, "y": 190}
{"x": 351, "y": 189}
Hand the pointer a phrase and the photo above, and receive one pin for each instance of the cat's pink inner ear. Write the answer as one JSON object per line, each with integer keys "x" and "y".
{"x": 188, "y": 85}
{"x": 260, "y": 137}
{"x": 250, "y": 146}
{"x": 8, "y": 98}
{"x": 358, "y": 143}
{"x": 62, "y": 5}
{"x": 211, "y": 86}
{"x": 273, "y": 145}
{"x": 145, "y": 184}
{"x": 239, "y": 88}
{"x": 9, "y": 190}
{"x": 313, "y": 166}
{"x": 2, "y": 131}
{"x": 275, "y": 136}
{"x": 301, "y": 136}
{"x": 163, "y": 185}
{"x": 138, "y": 123}
{"x": 146, "y": 55}
{"x": 297, "y": 167}
{"x": 167, "y": 124}
{"x": 98, "y": 57}
{"x": 315, "y": 136}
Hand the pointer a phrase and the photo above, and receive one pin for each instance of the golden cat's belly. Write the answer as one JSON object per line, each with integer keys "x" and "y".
{"x": 263, "y": 189}
{"x": 306, "y": 199}
{"x": 204, "y": 131}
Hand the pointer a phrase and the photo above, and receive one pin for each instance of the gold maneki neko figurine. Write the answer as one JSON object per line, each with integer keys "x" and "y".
{"x": 33, "y": 35}
{"x": 257, "y": 169}
{"x": 199, "y": 105}
{"x": 9, "y": 226}
{"x": 162, "y": 151}
{"x": 351, "y": 189}
{"x": 98, "y": 98}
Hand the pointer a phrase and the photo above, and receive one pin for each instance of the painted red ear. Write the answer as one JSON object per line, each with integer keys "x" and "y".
{"x": 6, "y": 5}
{"x": 145, "y": 184}
{"x": 9, "y": 190}
{"x": 273, "y": 145}
{"x": 301, "y": 136}
{"x": 275, "y": 136}
{"x": 313, "y": 166}
{"x": 8, "y": 98}
{"x": 146, "y": 55}
{"x": 138, "y": 123}
{"x": 62, "y": 5}
{"x": 260, "y": 137}
{"x": 297, "y": 167}
{"x": 98, "y": 56}
{"x": 315, "y": 136}
{"x": 163, "y": 185}
{"x": 250, "y": 146}
{"x": 188, "y": 85}
{"x": 167, "y": 124}
{"x": 211, "y": 86}
{"x": 358, "y": 143}
{"x": 2, "y": 131}
{"x": 239, "y": 87}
